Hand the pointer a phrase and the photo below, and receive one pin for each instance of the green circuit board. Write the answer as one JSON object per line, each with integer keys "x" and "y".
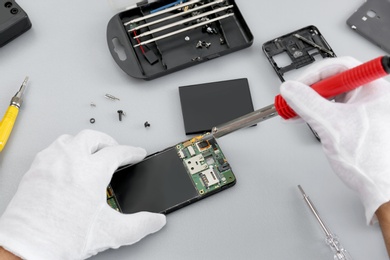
{"x": 206, "y": 164}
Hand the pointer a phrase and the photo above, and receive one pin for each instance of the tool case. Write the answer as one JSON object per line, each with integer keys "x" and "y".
{"x": 155, "y": 38}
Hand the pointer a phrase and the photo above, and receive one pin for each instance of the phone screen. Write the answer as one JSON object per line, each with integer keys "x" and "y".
{"x": 171, "y": 179}
{"x": 157, "y": 184}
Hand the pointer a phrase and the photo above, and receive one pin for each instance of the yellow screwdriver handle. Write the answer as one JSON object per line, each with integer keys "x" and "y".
{"x": 7, "y": 124}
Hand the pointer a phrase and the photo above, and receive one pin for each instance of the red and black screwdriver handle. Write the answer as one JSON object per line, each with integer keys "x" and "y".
{"x": 341, "y": 83}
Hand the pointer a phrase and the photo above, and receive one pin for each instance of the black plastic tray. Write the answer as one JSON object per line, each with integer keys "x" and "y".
{"x": 176, "y": 52}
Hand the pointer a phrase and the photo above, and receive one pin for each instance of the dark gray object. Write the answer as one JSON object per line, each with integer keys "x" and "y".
{"x": 372, "y": 21}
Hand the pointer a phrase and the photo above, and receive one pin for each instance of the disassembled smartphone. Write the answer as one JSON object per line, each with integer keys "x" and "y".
{"x": 372, "y": 21}
{"x": 298, "y": 49}
{"x": 171, "y": 179}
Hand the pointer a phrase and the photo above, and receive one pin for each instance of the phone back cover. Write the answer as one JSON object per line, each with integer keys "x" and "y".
{"x": 372, "y": 21}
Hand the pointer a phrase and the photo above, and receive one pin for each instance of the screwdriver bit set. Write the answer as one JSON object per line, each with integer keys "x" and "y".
{"x": 156, "y": 38}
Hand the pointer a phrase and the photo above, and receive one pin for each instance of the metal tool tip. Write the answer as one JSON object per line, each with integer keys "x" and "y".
{"x": 26, "y": 79}
{"x": 301, "y": 189}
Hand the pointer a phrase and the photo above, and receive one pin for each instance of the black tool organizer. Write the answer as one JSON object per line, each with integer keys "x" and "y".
{"x": 181, "y": 50}
{"x": 301, "y": 46}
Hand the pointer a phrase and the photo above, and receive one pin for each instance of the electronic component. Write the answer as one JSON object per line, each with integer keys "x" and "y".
{"x": 111, "y": 199}
{"x": 208, "y": 177}
{"x": 13, "y": 21}
{"x": 203, "y": 145}
{"x": 170, "y": 179}
{"x": 224, "y": 167}
{"x": 191, "y": 150}
{"x": 209, "y": 160}
{"x": 195, "y": 164}
{"x": 207, "y": 167}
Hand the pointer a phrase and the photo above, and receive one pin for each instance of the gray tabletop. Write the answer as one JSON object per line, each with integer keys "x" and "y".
{"x": 263, "y": 216}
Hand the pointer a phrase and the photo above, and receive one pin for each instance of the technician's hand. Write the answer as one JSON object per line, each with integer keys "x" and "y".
{"x": 60, "y": 209}
{"x": 354, "y": 130}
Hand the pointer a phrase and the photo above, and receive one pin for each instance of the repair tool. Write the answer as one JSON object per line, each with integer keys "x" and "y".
{"x": 203, "y": 15}
{"x": 184, "y": 29}
{"x": 339, "y": 252}
{"x": 161, "y": 12}
{"x": 328, "y": 88}
{"x": 197, "y": 8}
{"x": 10, "y": 115}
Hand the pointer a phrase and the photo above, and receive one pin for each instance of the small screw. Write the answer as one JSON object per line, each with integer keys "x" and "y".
{"x": 147, "y": 124}
{"x": 121, "y": 113}
{"x": 109, "y": 96}
{"x": 187, "y": 38}
{"x": 14, "y": 10}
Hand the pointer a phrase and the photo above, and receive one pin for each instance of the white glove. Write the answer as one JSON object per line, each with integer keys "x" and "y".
{"x": 354, "y": 130}
{"x": 60, "y": 209}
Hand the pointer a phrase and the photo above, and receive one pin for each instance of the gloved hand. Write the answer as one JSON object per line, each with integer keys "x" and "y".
{"x": 60, "y": 211}
{"x": 354, "y": 130}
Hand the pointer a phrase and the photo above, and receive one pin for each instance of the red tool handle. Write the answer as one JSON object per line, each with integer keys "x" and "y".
{"x": 341, "y": 83}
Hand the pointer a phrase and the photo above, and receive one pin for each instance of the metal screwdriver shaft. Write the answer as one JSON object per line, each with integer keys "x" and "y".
{"x": 183, "y": 30}
{"x": 162, "y": 12}
{"x": 339, "y": 252}
{"x": 203, "y": 15}
{"x": 176, "y": 15}
{"x": 8, "y": 121}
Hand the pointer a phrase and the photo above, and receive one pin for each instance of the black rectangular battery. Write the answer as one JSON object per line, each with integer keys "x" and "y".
{"x": 14, "y": 21}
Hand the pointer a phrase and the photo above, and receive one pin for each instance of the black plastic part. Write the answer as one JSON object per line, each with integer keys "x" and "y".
{"x": 386, "y": 63}
{"x": 13, "y": 21}
{"x": 151, "y": 57}
{"x": 207, "y": 105}
{"x": 300, "y": 52}
{"x": 372, "y": 21}
{"x": 174, "y": 53}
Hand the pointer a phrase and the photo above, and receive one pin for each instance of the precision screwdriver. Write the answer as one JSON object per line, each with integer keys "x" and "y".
{"x": 9, "y": 118}
{"x": 339, "y": 251}
{"x": 327, "y": 88}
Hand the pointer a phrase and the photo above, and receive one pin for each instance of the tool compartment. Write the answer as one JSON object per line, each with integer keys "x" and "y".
{"x": 214, "y": 29}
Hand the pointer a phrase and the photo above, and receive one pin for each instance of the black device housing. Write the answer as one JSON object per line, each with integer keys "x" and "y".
{"x": 300, "y": 52}
{"x": 372, "y": 21}
{"x": 13, "y": 21}
{"x": 176, "y": 52}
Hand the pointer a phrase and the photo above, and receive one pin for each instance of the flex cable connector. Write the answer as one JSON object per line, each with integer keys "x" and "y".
{"x": 339, "y": 252}
{"x": 8, "y": 121}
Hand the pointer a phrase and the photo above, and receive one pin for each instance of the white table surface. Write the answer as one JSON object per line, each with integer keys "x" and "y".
{"x": 263, "y": 216}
